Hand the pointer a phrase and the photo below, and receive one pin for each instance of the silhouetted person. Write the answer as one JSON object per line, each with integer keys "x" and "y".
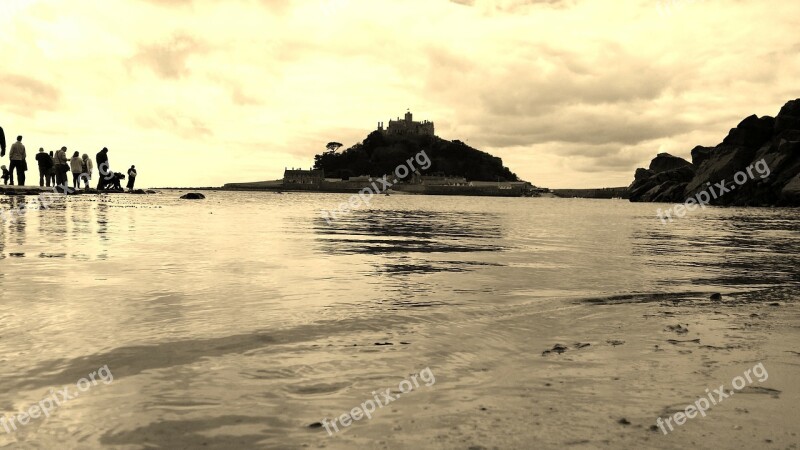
{"x": 6, "y": 174}
{"x": 18, "y": 163}
{"x": 114, "y": 181}
{"x": 2, "y": 143}
{"x": 104, "y": 168}
{"x": 51, "y": 174}
{"x": 131, "y": 177}
{"x": 45, "y": 164}
{"x": 76, "y": 165}
{"x": 62, "y": 167}
{"x": 88, "y": 168}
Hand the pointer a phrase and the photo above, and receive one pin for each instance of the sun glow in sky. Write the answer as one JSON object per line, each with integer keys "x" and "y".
{"x": 570, "y": 93}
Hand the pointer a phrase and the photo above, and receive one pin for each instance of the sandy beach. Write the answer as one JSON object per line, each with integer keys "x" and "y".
{"x": 608, "y": 394}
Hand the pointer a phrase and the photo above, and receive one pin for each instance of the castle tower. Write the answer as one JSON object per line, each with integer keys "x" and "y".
{"x": 408, "y": 117}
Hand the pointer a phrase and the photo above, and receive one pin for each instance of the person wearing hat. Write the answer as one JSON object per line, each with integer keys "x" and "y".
{"x": 45, "y": 164}
{"x": 18, "y": 163}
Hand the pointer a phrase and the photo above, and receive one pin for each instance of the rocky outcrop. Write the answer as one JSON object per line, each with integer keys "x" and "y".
{"x": 664, "y": 181}
{"x": 758, "y": 162}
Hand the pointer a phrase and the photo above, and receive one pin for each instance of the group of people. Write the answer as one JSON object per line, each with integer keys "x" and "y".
{"x": 54, "y": 168}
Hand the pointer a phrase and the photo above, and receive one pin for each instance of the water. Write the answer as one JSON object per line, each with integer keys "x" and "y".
{"x": 236, "y": 321}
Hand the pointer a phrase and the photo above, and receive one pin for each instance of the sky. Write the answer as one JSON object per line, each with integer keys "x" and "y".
{"x": 569, "y": 93}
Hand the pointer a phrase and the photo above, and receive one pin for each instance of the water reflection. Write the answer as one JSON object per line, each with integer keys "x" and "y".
{"x": 727, "y": 248}
{"x": 403, "y": 242}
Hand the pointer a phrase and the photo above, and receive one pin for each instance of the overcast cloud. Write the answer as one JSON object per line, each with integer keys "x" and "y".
{"x": 568, "y": 93}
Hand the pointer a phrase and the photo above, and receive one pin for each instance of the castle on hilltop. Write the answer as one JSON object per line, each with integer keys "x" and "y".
{"x": 407, "y": 127}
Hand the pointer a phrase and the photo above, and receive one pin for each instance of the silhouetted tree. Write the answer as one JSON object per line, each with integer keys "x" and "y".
{"x": 333, "y": 146}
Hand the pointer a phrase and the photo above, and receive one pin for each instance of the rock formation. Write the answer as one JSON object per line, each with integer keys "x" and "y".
{"x": 772, "y": 142}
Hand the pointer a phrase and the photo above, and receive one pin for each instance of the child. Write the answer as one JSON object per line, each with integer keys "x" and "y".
{"x": 6, "y": 174}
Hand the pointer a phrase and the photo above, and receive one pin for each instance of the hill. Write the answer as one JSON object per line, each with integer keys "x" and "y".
{"x": 381, "y": 154}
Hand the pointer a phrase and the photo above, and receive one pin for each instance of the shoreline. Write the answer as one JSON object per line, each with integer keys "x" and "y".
{"x": 39, "y": 190}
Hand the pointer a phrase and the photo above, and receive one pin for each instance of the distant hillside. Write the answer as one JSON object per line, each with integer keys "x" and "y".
{"x": 380, "y": 154}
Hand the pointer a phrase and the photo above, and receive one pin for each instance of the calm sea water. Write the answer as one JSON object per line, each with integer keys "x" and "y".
{"x": 239, "y": 320}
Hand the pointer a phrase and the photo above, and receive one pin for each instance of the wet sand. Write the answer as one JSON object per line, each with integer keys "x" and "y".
{"x": 604, "y": 395}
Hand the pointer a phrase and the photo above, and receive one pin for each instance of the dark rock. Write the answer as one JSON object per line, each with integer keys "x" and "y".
{"x": 790, "y": 194}
{"x": 664, "y": 181}
{"x": 766, "y": 149}
{"x": 315, "y": 425}
{"x": 383, "y": 343}
{"x": 751, "y": 132}
{"x": 665, "y": 162}
{"x": 193, "y": 196}
{"x": 700, "y": 154}
{"x": 139, "y": 192}
{"x": 716, "y": 296}
{"x": 624, "y": 421}
{"x": 775, "y": 304}
{"x": 789, "y": 117}
{"x": 580, "y": 345}
{"x": 615, "y": 342}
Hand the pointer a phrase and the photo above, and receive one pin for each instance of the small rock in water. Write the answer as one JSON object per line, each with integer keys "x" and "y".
{"x": 775, "y": 304}
{"x": 716, "y": 296}
{"x": 624, "y": 421}
{"x": 315, "y": 425}
{"x": 580, "y": 345}
{"x": 193, "y": 196}
{"x": 383, "y": 343}
{"x": 615, "y": 342}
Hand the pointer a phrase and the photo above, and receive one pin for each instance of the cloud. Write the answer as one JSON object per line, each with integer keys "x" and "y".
{"x": 176, "y": 123}
{"x": 26, "y": 94}
{"x": 569, "y": 93}
{"x": 169, "y": 59}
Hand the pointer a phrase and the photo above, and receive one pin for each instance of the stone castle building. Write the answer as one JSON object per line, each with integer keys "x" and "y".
{"x": 407, "y": 127}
